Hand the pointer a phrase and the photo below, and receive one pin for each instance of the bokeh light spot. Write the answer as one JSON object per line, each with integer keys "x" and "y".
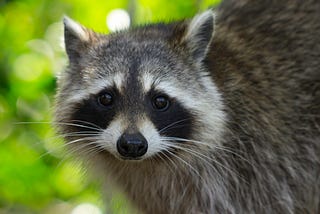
{"x": 41, "y": 46}
{"x": 29, "y": 67}
{"x": 86, "y": 208}
{"x": 118, "y": 19}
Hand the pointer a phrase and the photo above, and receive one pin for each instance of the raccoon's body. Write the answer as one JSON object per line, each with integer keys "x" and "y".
{"x": 187, "y": 122}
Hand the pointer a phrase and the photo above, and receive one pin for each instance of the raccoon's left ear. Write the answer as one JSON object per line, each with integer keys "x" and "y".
{"x": 199, "y": 34}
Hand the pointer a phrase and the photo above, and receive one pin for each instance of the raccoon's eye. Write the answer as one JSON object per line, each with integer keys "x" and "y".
{"x": 161, "y": 103}
{"x": 105, "y": 99}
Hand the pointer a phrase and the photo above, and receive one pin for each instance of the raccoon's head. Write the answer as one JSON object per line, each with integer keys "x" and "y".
{"x": 139, "y": 93}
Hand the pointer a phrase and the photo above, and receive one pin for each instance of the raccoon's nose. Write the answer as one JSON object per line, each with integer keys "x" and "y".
{"x": 132, "y": 145}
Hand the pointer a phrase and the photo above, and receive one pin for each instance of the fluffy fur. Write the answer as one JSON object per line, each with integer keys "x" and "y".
{"x": 243, "y": 133}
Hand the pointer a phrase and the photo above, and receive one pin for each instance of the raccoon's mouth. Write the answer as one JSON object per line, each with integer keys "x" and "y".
{"x": 115, "y": 155}
{"x": 130, "y": 158}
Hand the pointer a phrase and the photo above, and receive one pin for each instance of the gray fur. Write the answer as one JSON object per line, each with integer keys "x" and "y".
{"x": 255, "y": 142}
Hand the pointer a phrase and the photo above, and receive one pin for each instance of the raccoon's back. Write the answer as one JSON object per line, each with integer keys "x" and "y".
{"x": 265, "y": 59}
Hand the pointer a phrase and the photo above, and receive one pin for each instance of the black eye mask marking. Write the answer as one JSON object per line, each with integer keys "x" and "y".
{"x": 173, "y": 120}
{"x": 99, "y": 109}
{"x": 168, "y": 115}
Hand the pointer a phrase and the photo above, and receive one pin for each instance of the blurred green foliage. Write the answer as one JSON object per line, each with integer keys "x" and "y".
{"x": 35, "y": 176}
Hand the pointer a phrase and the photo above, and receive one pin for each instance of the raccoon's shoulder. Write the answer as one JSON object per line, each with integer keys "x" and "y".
{"x": 250, "y": 12}
{"x": 290, "y": 20}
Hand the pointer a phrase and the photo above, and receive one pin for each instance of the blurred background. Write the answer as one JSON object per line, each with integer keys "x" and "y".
{"x": 36, "y": 174}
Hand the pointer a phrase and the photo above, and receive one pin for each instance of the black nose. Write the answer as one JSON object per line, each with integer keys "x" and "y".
{"x": 132, "y": 145}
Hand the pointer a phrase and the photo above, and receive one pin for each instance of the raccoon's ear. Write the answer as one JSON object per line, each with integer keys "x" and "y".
{"x": 199, "y": 34}
{"x": 77, "y": 38}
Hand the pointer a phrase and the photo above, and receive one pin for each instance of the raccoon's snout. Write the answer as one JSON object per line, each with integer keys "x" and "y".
{"x": 132, "y": 146}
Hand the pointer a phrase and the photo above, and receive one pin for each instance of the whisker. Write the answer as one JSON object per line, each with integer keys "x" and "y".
{"x": 174, "y": 127}
{"x": 88, "y": 123}
{"x": 81, "y": 147}
{"x": 78, "y": 125}
{"x": 165, "y": 162}
{"x": 62, "y": 123}
{"x": 94, "y": 150}
{"x": 207, "y": 159}
{"x": 79, "y": 151}
{"x": 172, "y": 124}
{"x": 66, "y": 144}
{"x": 186, "y": 163}
{"x": 80, "y": 139}
{"x": 79, "y": 134}
{"x": 59, "y": 138}
{"x": 218, "y": 147}
{"x": 174, "y": 167}
{"x": 196, "y": 154}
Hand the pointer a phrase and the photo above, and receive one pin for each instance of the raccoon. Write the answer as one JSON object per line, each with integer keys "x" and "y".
{"x": 216, "y": 114}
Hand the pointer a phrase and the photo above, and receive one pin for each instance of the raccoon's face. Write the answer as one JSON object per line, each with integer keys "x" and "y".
{"x": 139, "y": 93}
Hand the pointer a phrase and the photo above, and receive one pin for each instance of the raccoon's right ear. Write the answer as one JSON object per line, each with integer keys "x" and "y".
{"x": 77, "y": 38}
